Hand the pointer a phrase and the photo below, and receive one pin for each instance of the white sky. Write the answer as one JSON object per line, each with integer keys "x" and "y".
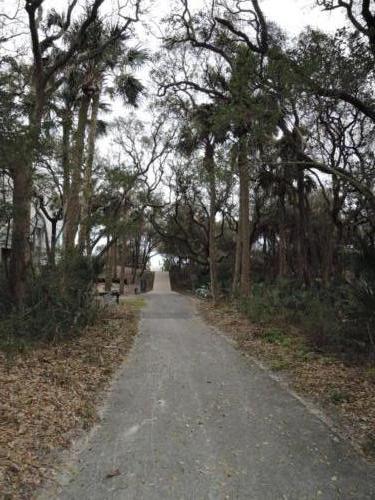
{"x": 291, "y": 15}
{"x": 294, "y": 15}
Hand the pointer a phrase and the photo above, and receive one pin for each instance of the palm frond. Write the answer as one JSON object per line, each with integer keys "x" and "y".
{"x": 54, "y": 19}
{"x": 136, "y": 57}
{"x": 101, "y": 128}
{"x": 129, "y": 88}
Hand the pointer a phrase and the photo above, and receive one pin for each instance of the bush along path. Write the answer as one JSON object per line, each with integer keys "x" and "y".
{"x": 346, "y": 390}
{"x": 49, "y": 392}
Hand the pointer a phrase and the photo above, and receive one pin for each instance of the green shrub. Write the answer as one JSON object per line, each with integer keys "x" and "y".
{"x": 370, "y": 374}
{"x": 275, "y": 335}
{"x": 260, "y": 307}
{"x": 338, "y": 318}
{"x": 338, "y": 397}
{"x": 320, "y": 318}
{"x": 59, "y": 301}
{"x": 280, "y": 365}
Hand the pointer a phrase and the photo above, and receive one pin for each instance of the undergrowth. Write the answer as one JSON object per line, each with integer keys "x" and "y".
{"x": 339, "y": 318}
{"x": 59, "y": 302}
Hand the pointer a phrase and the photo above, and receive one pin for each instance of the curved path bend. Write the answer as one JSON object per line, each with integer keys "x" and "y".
{"x": 189, "y": 418}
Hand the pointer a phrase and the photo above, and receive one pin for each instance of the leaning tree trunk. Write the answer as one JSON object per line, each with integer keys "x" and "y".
{"x": 72, "y": 213}
{"x": 85, "y": 226}
{"x": 210, "y": 169}
{"x": 243, "y": 168}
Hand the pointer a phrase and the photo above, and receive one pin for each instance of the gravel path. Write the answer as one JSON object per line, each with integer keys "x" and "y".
{"x": 191, "y": 418}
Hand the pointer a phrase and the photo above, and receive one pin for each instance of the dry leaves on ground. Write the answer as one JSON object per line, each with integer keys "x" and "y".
{"x": 50, "y": 392}
{"x": 346, "y": 392}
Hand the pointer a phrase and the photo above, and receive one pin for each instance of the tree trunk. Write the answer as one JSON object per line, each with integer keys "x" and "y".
{"x": 22, "y": 175}
{"x": 238, "y": 240}
{"x": 243, "y": 168}
{"x": 302, "y": 233}
{"x": 338, "y": 202}
{"x": 53, "y": 242}
{"x": 210, "y": 169}
{"x": 327, "y": 257}
{"x": 85, "y": 226}
{"x": 122, "y": 267}
{"x": 114, "y": 261}
{"x": 282, "y": 254}
{"x": 283, "y": 263}
{"x": 137, "y": 249}
{"x": 65, "y": 159}
{"x": 108, "y": 268}
{"x": 237, "y": 260}
{"x": 20, "y": 253}
{"x": 72, "y": 214}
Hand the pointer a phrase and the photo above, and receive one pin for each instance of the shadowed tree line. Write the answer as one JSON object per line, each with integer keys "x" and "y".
{"x": 273, "y": 190}
{"x": 67, "y": 206}
{"x": 268, "y": 197}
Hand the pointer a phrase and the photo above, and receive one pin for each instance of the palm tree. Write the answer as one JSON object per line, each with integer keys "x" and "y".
{"x": 203, "y": 131}
{"x": 113, "y": 64}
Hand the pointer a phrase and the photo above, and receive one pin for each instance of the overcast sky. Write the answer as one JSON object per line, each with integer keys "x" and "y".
{"x": 291, "y": 15}
{"x": 294, "y": 15}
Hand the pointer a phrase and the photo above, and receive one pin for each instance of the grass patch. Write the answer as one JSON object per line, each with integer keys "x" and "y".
{"x": 303, "y": 353}
{"x": 275, "y": 335}
{"x": 338, "y": 397}
{"x": 370, "y": 373}
{"x": 338, "y": 319}
{"x": 280, "y": 365}
{"x": 136, "y": 304}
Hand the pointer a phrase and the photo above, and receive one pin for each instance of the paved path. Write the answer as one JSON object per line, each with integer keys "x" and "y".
{"x": 190, "y": 418}
{"x": 162, "y": 283}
